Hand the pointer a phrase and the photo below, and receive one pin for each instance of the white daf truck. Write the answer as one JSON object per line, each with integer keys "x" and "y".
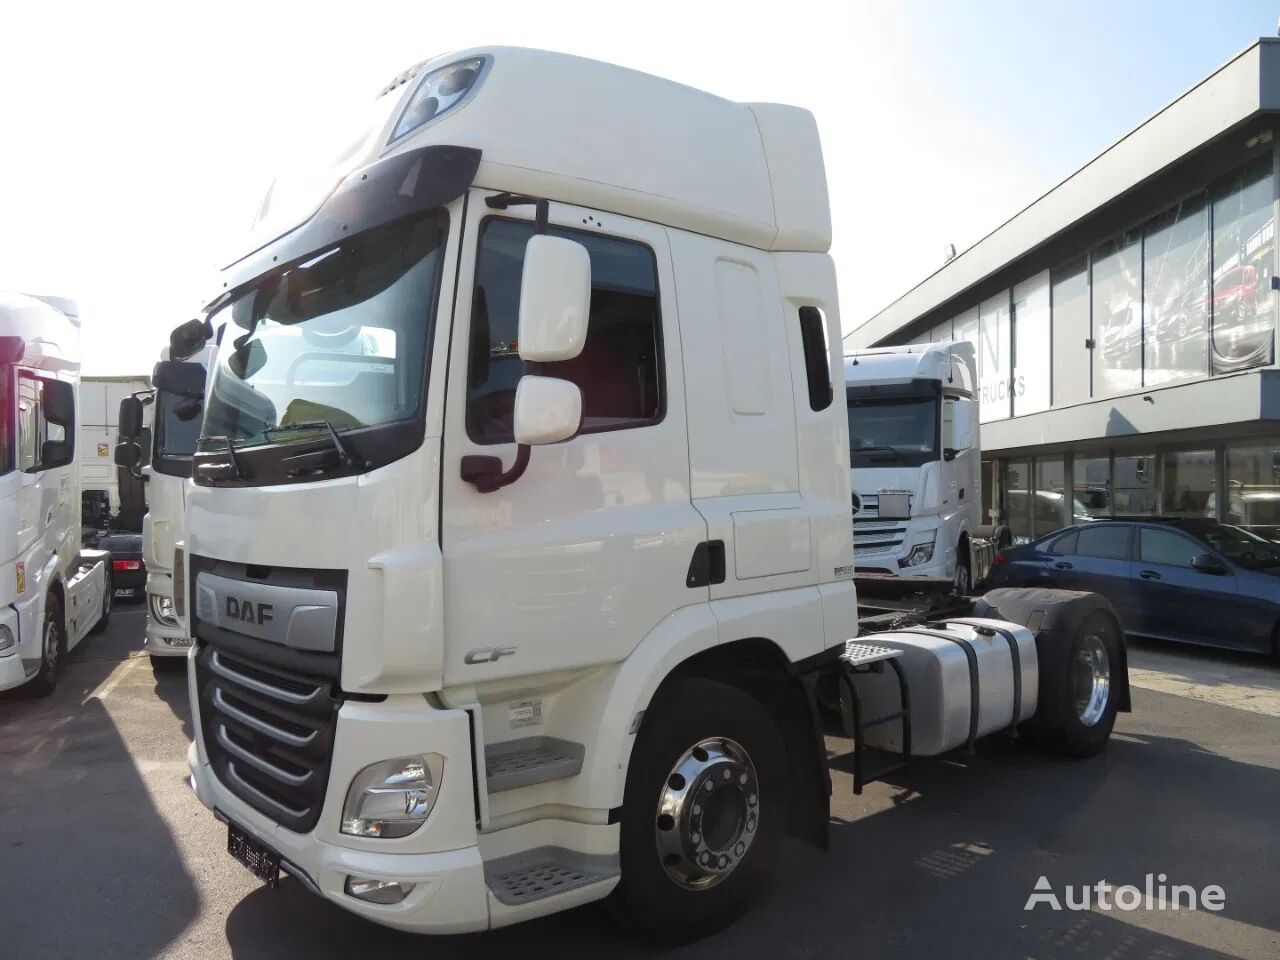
{"x": 518, "y": 555}
{"x": 52, "y": 593}
{"x": 175, "y": 427}
{"x": 915, "y": 461}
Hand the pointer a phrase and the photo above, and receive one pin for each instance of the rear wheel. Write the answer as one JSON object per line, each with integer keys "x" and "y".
{"x": 703, "y": 812}
{"x": 963, "y": 577}
{"x": 53, "y": 648}
{"x": 1086, "y": 696}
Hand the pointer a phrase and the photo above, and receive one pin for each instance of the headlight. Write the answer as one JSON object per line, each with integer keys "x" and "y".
{"x": 440, "y": 90}
{"x": 6, "y": 641}
{"x": 920, "y": 553}
{"x": 163, "y": 611}
{"x": 392, "y": 798}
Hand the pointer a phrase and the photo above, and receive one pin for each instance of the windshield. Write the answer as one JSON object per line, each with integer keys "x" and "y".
{"x": 888, "y": 431}
{"x": 1237, "y": 545}
{"x": 175, "y": 437}
{"x": 339, "y": 338}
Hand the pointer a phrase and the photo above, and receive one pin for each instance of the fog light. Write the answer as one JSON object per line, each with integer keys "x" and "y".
{"x": 7, "y": 645}
{"x": 920, "y": 553}
{"x": 377, "y": 891}
{"x": 392, "y": 798}
{"x": 162, "y": 610}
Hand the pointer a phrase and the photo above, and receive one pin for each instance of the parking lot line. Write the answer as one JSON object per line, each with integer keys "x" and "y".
{"x": 103, "y": 690}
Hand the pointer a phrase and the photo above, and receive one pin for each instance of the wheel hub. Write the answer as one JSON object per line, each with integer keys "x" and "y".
{"x": 51, "y": 644}
{"x": 1092, "y": 680}
{"x": 708, "y": 813}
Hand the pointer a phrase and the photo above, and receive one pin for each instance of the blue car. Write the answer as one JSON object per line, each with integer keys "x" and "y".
{"x": 1186, "y": 579}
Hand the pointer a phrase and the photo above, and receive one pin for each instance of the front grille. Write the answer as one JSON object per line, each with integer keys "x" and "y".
{"x": 268, "y": 733}
{"x": 872, "y": 536}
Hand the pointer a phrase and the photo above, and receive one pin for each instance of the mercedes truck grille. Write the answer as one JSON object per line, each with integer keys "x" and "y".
{"x": 268, "y": 733}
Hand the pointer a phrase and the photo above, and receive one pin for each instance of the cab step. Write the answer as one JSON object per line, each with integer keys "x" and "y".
{"x": 546, "y": 872}
{"x": 862, "y": 658}
{"x": 529, "y": 760}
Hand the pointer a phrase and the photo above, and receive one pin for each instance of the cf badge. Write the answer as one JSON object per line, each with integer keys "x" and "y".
{"x": 487, "y": 654}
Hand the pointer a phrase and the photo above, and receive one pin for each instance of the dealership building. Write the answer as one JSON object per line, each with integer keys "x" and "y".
{"x": 1125, "y": 322}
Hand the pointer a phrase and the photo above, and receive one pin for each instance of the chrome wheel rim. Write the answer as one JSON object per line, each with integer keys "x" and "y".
{"x": 708, "y": 813}
{"x": 51, "y": 645}
{"x": 1091, "y": 679}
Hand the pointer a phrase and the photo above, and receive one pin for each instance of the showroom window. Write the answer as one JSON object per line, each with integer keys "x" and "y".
{"x": 1133, "y": 486}
{"x": 1017, "y": 499}
{"x": 1031, "y": 349}
{"x": 1253, "y": 489}
{"x": 1051, "y": 486}
{"x": 1117, "y": 316}
{"x": 1091, "y": 479}
{"x": 1070, "y": 292}
{"x": 994, "y": 367}
{"x": 1175, "y": 248}
{"x": 1188, "y": 482}
{"x": 1243, "y": 322}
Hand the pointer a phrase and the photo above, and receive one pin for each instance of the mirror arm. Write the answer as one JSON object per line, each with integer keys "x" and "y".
{"x": 502, "y": 201}
{"x": 486, "y": 472}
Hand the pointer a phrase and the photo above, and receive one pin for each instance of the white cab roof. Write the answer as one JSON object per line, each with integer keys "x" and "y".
{"x": 52, "y": 338}
{"x": 927, "y": 361}
{"x": 614, "y": 139}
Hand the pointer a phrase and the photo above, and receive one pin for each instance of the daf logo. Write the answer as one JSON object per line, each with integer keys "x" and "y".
{"x": 248, "y": 611}
{"x": 487, "y": 654}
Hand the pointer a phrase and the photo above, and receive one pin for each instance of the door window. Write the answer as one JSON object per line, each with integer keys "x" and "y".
{"x": 1109, "y": 542}
{"x": 619, "y": 370}
{"x": 30, "y": 424}
{"x": 1065, "y": 546}
{"x": 1165, "y": 546}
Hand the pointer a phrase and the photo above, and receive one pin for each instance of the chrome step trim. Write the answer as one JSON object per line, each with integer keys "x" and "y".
{"x": 254, "y": 723}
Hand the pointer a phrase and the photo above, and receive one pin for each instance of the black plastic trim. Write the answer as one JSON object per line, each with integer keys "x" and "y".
{"x": 707, "y": 566}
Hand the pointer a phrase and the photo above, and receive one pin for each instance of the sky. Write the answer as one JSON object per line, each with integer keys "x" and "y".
{"x": 138, "y": 139}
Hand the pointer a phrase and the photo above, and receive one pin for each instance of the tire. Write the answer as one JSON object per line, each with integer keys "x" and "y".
{"x": 53, "y": 648}
{"x": 1083, "y": 710}
{"x": 963, "y": 579}
{"x": 680, "y": 880}
{"x": 105, "y": 619}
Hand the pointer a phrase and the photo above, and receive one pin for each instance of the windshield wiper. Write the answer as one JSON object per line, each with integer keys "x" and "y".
{"x": 345, "y": 456}
{"x": 891, "y": 450}
{"x": 237, "y": 472}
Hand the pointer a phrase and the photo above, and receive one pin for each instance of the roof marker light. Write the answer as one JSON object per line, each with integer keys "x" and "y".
{"x": 438, "y": 92}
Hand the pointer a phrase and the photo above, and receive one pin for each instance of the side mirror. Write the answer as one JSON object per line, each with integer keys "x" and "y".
{"x": 184, "y": 380}
{"x": 555, "y": 299}
{"x": 188, "y": 339}
{"x": 1208, "y": 563}
{"x": 547, "y": 410}
{"x": 55, "y": 453}
{"x": 58, "y": 398}
{"x": 130, "y": 418}
{"x": 128, "y": 455}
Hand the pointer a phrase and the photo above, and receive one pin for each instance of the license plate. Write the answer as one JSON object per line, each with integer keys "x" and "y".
{"x": 262, "y": 862}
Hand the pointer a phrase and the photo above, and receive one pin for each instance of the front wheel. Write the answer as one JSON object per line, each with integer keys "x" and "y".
{"x": 53, "y": 648}
{"x": 963, "y": 579}
{"x": 703, "y": 813}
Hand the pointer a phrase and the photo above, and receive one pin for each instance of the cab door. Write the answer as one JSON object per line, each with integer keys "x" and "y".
{"x": 578, "y": 560}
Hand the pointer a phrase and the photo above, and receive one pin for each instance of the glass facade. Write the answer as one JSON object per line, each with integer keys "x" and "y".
{"x": 1252, "y": 488}
{"x": 1184, "y": 296}
{"x": 1091, "y": 481}
{"x": 1175, "y": 294}
{"x": 1017, "y": 499}
{"x": 1189, "y": 478}
{"x": 1116, "y": 294}
{"x": 1133, "y": 485}
{"x": 1031, "y": 346}
{"x": 1050, "y": 511}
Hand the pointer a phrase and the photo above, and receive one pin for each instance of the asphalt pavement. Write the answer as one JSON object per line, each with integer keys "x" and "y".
{"x": 105, "y": 852}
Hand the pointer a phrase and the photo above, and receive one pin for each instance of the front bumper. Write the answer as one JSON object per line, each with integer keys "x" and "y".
{"x": 162, "y": 640}
{"x": 13, "y": 672}
{"x": 441, "y": 858}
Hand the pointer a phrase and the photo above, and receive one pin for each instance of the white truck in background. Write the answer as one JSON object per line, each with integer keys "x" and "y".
{"x": 518, "y": 557}
{"x": 169, "y": 425}
{"x": 915, "y": 463}
{"x": 52, "y": 593}
{"x": 100, "y": 398}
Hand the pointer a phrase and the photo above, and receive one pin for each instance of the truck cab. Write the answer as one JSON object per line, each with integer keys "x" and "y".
{"x": 915, "y": 460}
{"x": 52, "y": 594}
{"x": 170, "y": 425}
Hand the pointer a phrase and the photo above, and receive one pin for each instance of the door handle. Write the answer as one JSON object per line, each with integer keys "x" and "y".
{"x": 1149, "y": 575}
{"x": 1063, "y": 565}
